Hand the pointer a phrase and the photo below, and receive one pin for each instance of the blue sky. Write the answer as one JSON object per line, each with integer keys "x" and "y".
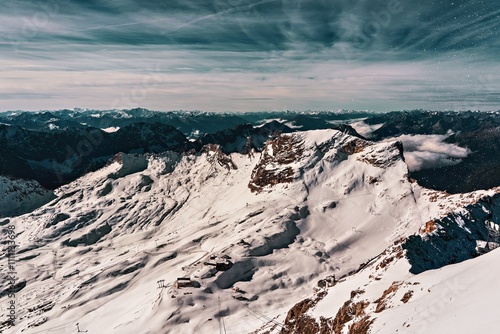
{"x": 248, "y": 55}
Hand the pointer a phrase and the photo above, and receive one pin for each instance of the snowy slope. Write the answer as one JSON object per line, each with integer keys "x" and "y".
{"x": 458, "y": 298}
{"x": 385, "y": 296}
{"x": 21, "y": 196}
{"x": 107, "y": 251}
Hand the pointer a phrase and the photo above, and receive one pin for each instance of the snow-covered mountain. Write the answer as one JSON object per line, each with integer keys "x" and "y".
{"x": 18, "y": 196}
{"x": 205, "y": 242}
{"x": 455, "y": 151}
{"x": 54, "y": 159}
{"x": 187, "y": 122}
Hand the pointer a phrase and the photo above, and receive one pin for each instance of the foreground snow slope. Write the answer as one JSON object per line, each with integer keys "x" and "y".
{"x": 107, "y": 251}
{"x": 458, "y": 298}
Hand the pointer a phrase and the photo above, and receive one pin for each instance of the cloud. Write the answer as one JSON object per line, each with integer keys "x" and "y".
{"x": 365, "y": 129}
{"x": 364, "y": 54}
{"x": 430, "y": 151}
{"x": 411, "y": 30}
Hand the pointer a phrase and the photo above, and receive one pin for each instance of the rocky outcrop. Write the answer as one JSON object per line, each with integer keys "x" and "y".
{"x": 298, "y": 321}
{"x": 245, "y": 137}
{"x": 274, "y": 165}
{"x": 383, "y": 156}
{"x": 452, "y": 238}
{"x": 216, "y": 156}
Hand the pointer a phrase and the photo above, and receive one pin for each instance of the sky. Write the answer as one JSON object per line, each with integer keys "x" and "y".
{"x": 250, "y": 55}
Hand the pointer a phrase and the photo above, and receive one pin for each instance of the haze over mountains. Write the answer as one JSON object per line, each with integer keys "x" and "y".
{"x": 277, "y": 222}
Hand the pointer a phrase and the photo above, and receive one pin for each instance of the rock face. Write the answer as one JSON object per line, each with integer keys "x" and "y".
{"x": 297, "y": 321}
{"x": 454, "y": 237}
{"x": 275, "y": 165}
{"x": 245, "y": 137}
{"x": 216, "y": 156}
{"x": 383, "y": 156}
{"x": 286, "y": 158}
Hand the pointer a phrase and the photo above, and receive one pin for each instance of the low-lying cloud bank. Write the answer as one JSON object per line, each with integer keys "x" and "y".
{"x": 430, "y": 151}
{"x": 364, "y": 129}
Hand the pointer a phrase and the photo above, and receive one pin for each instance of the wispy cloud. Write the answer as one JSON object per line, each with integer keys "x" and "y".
{"x": 377, "y": 54}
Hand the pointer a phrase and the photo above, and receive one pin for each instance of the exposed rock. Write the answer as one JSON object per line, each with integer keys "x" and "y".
{"x": 407, "y": 296}
{"x": 217, "y": 157}
{"x": 383, "y": 156}
{"x": 429, "y": 227}
{"x": 456, "y": 238}
{"x": 361, "y": 326}
{"x": 382, "y": 301}
{"x": 346, "y": 313}
{"x": 272, "y": 168}
{"x": 297, "y": 321}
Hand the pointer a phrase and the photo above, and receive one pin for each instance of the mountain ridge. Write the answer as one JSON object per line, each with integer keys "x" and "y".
{"x": 145, "y": 219}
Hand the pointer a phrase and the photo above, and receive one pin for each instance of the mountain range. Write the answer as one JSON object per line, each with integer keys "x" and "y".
{"x": 292, "y": 222}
